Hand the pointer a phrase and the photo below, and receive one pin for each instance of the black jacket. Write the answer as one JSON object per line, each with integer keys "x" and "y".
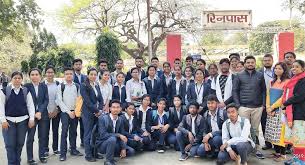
{"x": 249, "y": 90}
{"x": 298, "y": 100}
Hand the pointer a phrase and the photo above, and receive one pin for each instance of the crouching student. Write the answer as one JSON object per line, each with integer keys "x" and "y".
{"x": 132, "y": 129}
{"x": 190, "y": 132}
{"x": 214, "y": 119}
{"x": 17, "y": 112}
{"x": 236, "y": 138}
{"x": 111, "y": 139}
{"x": 158, "y": 124}
{"x": 176, "y": 114}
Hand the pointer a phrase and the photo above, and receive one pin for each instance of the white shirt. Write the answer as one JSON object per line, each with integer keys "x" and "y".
{"x": 79, "y": 77}
{"x": 94, "y": 89}
{"x": 36, "y": 89}
{"x": 113, "y": 122}
{"x": 237, "y": 135}
{"x": 120, "y": 88}
{"x": 214, "y": 124}
{"x": 29, "y": 103}
{"x": 143, "y": 117}
{"x": 178, "y": 82}
{"x": 168, "y": 78}
{"x": 193, "y": 125}
{"x": 187, "y": 85}
{"x": 52, "y": 90}
{"x": 199, "y": 88}
{"x": 130, "y": 119}
{"x": 268, "y": 76}
{"x": 106, "y": 90}
{"x": 67, "y": 100}
{"x": 135, "y": 88}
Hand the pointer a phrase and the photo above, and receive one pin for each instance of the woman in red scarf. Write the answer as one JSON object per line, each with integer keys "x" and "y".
{"x": 294, "y": 102}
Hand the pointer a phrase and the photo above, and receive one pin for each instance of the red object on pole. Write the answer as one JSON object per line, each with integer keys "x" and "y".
{"x": 173, "y": 44}
{"x": 285, "y": 43}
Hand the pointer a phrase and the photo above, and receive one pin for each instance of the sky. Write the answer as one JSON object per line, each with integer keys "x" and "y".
{"x": 262, "y": 11}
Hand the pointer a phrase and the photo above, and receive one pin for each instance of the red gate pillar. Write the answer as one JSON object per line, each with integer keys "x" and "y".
{"x": 173, "y": 44}
{"x": 285, "y": 44}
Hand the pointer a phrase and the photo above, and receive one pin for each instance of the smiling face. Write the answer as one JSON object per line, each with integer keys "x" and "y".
{"x": 92, "y": 75}
{"x": 50, "y": 74}
{"x": 115, "y": 108}
{"x": 250, "y": 64}
{"x": 297, "y": 68}
{"x": 278, "y": 70}
{"x": 35, "y": 76}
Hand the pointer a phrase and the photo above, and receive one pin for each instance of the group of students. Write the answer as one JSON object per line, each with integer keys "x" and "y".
{"x": 199, "y": 112}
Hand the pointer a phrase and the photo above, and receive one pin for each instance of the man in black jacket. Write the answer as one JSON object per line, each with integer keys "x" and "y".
{"x": 249, "y": 92}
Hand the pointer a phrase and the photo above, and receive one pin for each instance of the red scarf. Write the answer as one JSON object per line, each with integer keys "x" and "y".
{"x": 288, "y": 93}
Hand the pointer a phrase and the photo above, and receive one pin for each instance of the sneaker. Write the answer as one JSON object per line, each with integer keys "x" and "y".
{"x": 62, "y": 158}
{"x": 32, "y": 162}
{"x": 56, "y": 152}
{"x": 259, "y": 155}
{"x": 196, "y": 156}
{"x": 183, "y": 157}
{"x": 161, "y": 149}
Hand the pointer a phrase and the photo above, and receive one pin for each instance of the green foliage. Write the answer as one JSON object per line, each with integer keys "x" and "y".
{"x": 64, "y": 58}
{"x": 43, "y": 41}
{"x": 108, "y": 48}
{"x": 212, "y": 38}
{"x": 24, "y": 66}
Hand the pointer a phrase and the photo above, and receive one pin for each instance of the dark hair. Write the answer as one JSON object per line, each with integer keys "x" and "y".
{"x": 119, "y": 60}
{"x": 68, "y": 69}
{"x": 167, "y": 64}
{"x": 77, "y": 60}
{"x": 102, "y": 61}
{"x": 139, "y": 58}
{"x": 154, "y": 58}
{"x": 202, "y": 60}
{"x": 232, "y": 105}
{"x": 17, "y": 73}
{"x": 234, "y": 55}
{"x": 91, "y": 69}
{"x": 301, "y": 62}
{"x": 115, "y": 101}
{"x": 249, "y": 57}
{"x": 128, "y": 104}
{"x": 285, "y": 73}
{"x": 241, "y": 62}
{"x": 189, "y": 58}
{"x": 150, "y": 66}
{"x": 194, "y": 103}
{"x": 102, "y": 73}
{"x": 213, "y": 64}
{"x": 144, "y": 96}
{"x": 224, "y": 60}
{"x": 212, "y": 97}
{"x": 293, "y": 54}
{"x": 200, "y": 71}
{"x": 49, "y": 67}
{"x": 132, "y": 69}
{"x": 35, "y": 69}
{"x": 161, "y": 99}
{"x": 268, "y": 56}
{"x": 177, "y": 96}
{"x": 177, "y": 59}
{"x": 120, "y": 73}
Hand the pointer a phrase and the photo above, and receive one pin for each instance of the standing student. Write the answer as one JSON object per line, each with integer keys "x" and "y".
{"x": 139, "y": 61}
{"x": 153, "y": 85}
{"x": 155, "y": 62}
{"x": 177, "y": 62}
{"x": 188, "y": 79}
{"x": 53, "y": 110}
{"x": 79, "y": 78}
{"x": 106, "y": 89}
{"x": 119, "y": 89}
{"x": 67, "y": 93}
{"x": 240, "y": 66}
{"x": 201, "y": 64}
{"x": 166, "y": 81}
{"x": 176, "y": 114}
{"x": 40, "y": 97}
{"x": 17, "y": 112}
{"x": 111, "y": 137}
{"x": 190, "y": 132}
{"x": 103, "y": 66}
{"x": 135, "y": 88}
{"x": 177, "y": 85}
{"x": 158, "y": 124}
{"x": 234, "y": 60}
{"x": 92, "y": 108}
{"x": 198, "y": 91}
{"x": 119, "y": 65}
{"x": 290, "y": 57}
{"x": 213, "y": 73}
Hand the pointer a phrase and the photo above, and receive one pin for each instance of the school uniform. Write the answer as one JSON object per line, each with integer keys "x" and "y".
{"x": 186, "y": 83}
{"x": 142, "y": 75}
{"x": 175, "y": 118}
{"x": 132, "y": 129}
{"x": 196, "y": 126}
{"x": 79, "y": 79}
{"x": 92, "y": 103}
{"x": 16, "y": 108}
{"x": 213, "y": 128}
{"x": 177, "y": 88}
{"x": 198, "y": 93}
{"x": 119, "y": 93}
{"x": 135, "y": 88}
{"x": 159, "y": 72}
{"x": 153, "y": 88}
{"x": 108, "y": 140}
{"x": 41, "y": 100}
{"x": 166, "y": 82}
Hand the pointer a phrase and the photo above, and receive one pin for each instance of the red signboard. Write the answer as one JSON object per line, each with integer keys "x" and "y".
{"x": 173, "y": 44}
{"x": 285, "y": 43}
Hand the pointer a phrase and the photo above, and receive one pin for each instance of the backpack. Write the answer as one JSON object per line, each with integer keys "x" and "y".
{"x": 242, "y": 123}
{"x": 63, "y": 86}
{"x": 79, "y": 100}
{"x": 8, "y": 90}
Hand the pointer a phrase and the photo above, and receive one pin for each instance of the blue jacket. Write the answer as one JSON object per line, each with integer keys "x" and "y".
{"x": 136, "y": 130}
{"x": 182, "y": 91}
{"x": 174, "y": 121}
{"x": 155, "y": 93}
{"x": 75, "y": 79}
{"x": 192, "y": 95}
{"x": 91, "y": 103}
{"x": 138, "y": 115}
{"x": 116, "y": 94}
{"x": 186, "y": 126}
{"x": 153, "y": 119}
{"x": 42, "y": 100}
{"x": 166, "y": 89}
{"x": 221, "y": 118}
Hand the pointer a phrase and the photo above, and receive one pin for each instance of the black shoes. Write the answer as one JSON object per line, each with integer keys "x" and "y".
{"x": 91, "y": 159}
{"x": 76, "y": 153}
{"x": 109, "y": 163}
{"x": 32, "y": 162}
{"x": 43, "y": 160}
{"x": 62, "y": 157}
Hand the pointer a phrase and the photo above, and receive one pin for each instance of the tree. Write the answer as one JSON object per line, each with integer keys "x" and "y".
{"x": 108, "y": 47}
{"x": 64, "y": 58}
{"x": 129, "y": 21}
{"x": 24, "y": 66}
{"x": 43, "y": 41}
{"x": 239, "y": 38}
{"x": 212, "y": 38}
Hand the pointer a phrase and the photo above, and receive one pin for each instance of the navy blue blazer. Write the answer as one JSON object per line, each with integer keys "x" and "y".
{"x": 128, "y": 75}
{"x": 182, "y": 91}
{"x": 136, "y": 130}
{"x": 192, "y": 94}
{"x": 166, "y": 89}
{"x": 91, "y": 103}
{"x": 82, "y": 77}
{"x": 116, "y": 94}
{"x": 221, "y": 118}
{"x": 159, "y": 73}
{"x": 138, "y": 115}
{"x": 153, "y": 120}
{"x": 41, "y": 101}
{"x": 154, "y": 93}
{"x": 186, "y": 126}
{"x": 174, "y": 121}
{"x": 105, "y": 129}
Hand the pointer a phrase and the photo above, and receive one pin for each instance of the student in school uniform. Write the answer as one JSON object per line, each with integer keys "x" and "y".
{"x": 79, "y": 78}
{"x": 17, "y": 114}
{"x": 53, "y": 110}
{"x": 141, "y": 116}
{"x": 132, "y": 129}
{"x": 198, "y": 91}
{"x": 67, "y": 93}
{"x": 39, "y": 92}
{"x": 155, "y": 62}
{"x": 119, "y": 89}
{"x": 135, "y": 88}
{"x": 158, "y": 124}
{"x": 106, "y": 89}
{"x": 153, "y": 85}
{"x": 119, "y": 65}
{"x": 214, "y": 118}
{"x": 188, "y": 79}
{"x": 92, "y": 108}
{"x": 190, "y": 132}
{"x": 176, "y": 114}
{"x": 166, "y": 81}
{"x": 112, "y": 141}
{"x": 177, "y": 84}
